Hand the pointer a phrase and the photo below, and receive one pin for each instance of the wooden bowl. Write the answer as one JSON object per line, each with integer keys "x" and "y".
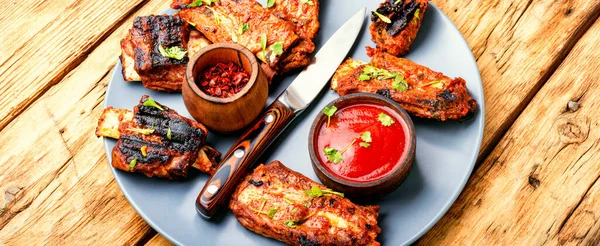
{"x": 362, "y": 191}
{"x": 225, "y": 115}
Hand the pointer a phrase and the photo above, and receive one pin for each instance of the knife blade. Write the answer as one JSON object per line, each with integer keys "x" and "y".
{"x": 292, "y": 102}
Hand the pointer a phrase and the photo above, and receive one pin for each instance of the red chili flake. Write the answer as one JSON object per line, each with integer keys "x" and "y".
{"x": 223, "y": 80}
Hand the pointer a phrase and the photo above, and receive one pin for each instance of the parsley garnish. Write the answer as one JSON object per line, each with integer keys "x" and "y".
{"x": 333, "y": 155}
{"x": 383, "y": 17}
{"x": 385, "y": 119}
{"x": 400, "y": 84}
{"x": 243, "y": 28}
{"x": 263, "y": 44}
{"x": 132, "y": 164}
{"x": 270, "y": 3}
{"x": 151, "y": 103}
{"x": 174, "y": 52}
{"x": 278, "y": 48}
{"x": 309, "y": 2}
{"x": 417, "y": 17}
{"x": 142, "y": 131}
{"x": 291, "y": 223}
{"x": 272, "y": 212}
{"x": 315, "y": 191}
{"x": 366, "y": 139}
{"x": 198, "y": 3}
{"x": 371, "y": 72}
{"x": 169, "y": 133}
{"x": 329, "y": 111}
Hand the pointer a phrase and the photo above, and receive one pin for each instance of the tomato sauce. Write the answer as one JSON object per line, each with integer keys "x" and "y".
{"x": 363, "y": 164}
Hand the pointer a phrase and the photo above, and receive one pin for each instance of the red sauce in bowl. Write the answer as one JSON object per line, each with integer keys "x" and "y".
{"x": 387, "y": 148}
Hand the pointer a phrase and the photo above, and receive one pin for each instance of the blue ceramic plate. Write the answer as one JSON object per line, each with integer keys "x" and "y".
{"x": 446, "y": 152}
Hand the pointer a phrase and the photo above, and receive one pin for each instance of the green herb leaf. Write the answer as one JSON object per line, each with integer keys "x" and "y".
{"x": 291, "y": 223}
{"x": 132, "y": 164}
{"x": 383, "y": 17}
{"x": 151, "y": 103}
{"x": 437, "y": 84}
{"x": 294, "y": 211}
{"x": 263, "y": 44}
{"x": 272, "y": 212}
{"x": 174, "y": 52}
{"x": 142, "y": 131}
{"x": 315, "y": 191}
{"x": 364, "y": 77}
{"x": 278, "y": 48}
{"x": 385, "y": 119}
{"x": 400, "y": 84}
{"x": 270, "y": 3}
{"x": 198, "y": 3}
{"x": 366, "y": 137}
{"x": 333, "y": 155}
{"x": 397, "y": 1}
{"x": 417, "y": 16}
{"x": 365, "y": 145}
{"x": 169, "y": 133}
{"x": 309, "y": 2}
{"x": 329, "y": 111}
{"x": 243, "y": 28}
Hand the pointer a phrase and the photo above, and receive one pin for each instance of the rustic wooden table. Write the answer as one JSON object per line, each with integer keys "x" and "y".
{"x": 536, "y": 181}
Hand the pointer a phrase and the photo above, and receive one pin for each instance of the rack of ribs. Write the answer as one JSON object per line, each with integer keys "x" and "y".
{"x": 273, "y": 202}
{"x": 428, "y": 94}
{"x": 405, "y": 18}
{"x": 156, "y": 141}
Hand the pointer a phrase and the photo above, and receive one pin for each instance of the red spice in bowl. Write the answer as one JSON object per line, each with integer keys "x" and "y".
{"x": 223, "y": 80}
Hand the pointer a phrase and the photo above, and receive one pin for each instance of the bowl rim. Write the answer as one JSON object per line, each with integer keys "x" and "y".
{"x": 191, "y": 80}
{"x": 406, "y": 161}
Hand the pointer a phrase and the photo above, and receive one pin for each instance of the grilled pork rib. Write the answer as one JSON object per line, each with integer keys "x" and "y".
{"x": 163, "y": 143}
{"x": 406, "y": 17}
{"x": 141, "y": 56}
{"x": 272, "y": 202}
{"x": 429, "y": 95}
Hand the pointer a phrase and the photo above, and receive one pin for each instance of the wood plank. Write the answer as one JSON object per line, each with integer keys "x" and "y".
{"x": 57, "y": 38}
{"x": 58, "y": 185}
{"x": 158, "y": 240}
{"x": 517, "y": 44}
{"x": 540, "y": 185}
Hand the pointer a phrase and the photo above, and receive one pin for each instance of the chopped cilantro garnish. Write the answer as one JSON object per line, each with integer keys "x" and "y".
{"x": 270, "y": 3}
{"x": 329, "y": 111}
{"x": 383, "y": 17}
{"x": 278, "y": 48}
{"x": 174, "y": 52}
{"x": 132, "y": 164}
{"x": 315, "y": 191}
{"x": 385, "y": 119}
{"x": 333, "y": 155}
{"x": 309, "y": 2}
{"x": 151, "y": 103}
{"x": 272, "y": 212}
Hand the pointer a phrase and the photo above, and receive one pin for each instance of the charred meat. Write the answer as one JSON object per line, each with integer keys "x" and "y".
{"x": 156, "y": 141}
{"x": 277, "y": 202}
{"x": 421, "y": 91}
{"x": 395, "y": 25}
{"x": 244, "y": 22}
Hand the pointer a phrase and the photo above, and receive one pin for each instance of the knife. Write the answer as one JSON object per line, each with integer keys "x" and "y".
{"x": 291, "y": 103}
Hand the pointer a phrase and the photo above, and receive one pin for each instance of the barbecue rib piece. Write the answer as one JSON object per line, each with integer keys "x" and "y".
{"x": 140, "y": 51}
{"x": 430, "y": 94}
{"x": 305, "y": 17}
{"x": 221, "y": 22}
{"x": 406, "y": 17}
{"x": 272, "y": 202}
{"x": 168, "y": 153}
{"x": 196, "y": 42}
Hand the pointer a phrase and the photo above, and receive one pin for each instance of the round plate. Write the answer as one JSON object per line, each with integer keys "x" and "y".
{"x": 446, "y": 152}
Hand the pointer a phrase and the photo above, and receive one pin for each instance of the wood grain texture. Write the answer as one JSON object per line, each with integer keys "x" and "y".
{"x": 55, "y": 178}
{"x": 540, "y": 185}
{"x": 43, "y": 50}
{"x": 518, "y": 45}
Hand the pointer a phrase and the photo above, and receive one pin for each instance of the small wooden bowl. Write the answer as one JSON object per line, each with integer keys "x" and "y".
{"x": 225, "y": 115}
{"x": 362, "y": 191}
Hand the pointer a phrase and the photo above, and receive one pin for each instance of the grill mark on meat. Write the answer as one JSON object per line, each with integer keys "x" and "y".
{"x": 155, "y": 31}
{"x": 398, "y": 12}
{"x": 396, "y": 37}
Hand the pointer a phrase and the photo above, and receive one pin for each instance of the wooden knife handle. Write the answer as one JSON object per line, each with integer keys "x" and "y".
{"x": 241, "y": 156}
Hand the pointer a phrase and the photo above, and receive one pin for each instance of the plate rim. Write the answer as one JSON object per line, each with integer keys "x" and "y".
{"x": 435, "y": 219}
